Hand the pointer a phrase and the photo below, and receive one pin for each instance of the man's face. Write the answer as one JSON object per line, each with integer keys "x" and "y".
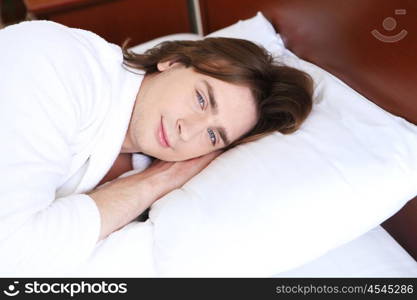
{"x": 173, "y": 118}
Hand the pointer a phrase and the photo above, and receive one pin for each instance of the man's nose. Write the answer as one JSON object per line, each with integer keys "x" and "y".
{"x": 190, "y": 128}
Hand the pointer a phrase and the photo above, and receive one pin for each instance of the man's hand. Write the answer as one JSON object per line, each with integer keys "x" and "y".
{"x": 123, "y": 199}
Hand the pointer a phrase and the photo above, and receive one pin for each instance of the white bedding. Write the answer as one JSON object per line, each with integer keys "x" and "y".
{"x": 128, "y": 253}
{"x": 125, "y": 253}
{"x": 374, "y": 254}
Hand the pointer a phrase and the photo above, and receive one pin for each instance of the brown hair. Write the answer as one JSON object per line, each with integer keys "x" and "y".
{"x": 283, "y": 95}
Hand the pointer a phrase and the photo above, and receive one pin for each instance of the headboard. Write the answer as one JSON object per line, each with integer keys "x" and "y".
{"x": 370, "y": 44}
{"x": 116, "y": 20}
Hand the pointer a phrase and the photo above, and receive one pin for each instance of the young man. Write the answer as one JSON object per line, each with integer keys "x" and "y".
{"x": 71, "y": 111}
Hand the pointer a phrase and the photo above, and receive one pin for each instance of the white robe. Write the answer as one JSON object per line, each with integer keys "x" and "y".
{"x": 65, "y": 105}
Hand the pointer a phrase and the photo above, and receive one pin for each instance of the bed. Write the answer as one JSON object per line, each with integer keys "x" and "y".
{"x": 316, "y": 30}
{"x": 364, "y": 220}
{"x": 374, "y": 254}
{"x": 334, "y": 35}
{"x": 313, "y": 31}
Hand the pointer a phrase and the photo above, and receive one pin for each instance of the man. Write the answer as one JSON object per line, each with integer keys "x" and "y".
{"x": 69, "y": 110}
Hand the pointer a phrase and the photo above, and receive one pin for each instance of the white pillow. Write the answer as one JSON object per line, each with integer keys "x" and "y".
{"x": 279, "y": 202}
{"x": 256, "y": 29}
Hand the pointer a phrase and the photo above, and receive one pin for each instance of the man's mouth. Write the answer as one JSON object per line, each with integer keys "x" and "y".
{"x": 162, "y": 136}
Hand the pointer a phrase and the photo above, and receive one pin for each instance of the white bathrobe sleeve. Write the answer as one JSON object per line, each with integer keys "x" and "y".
{"x": 45, "y": 100}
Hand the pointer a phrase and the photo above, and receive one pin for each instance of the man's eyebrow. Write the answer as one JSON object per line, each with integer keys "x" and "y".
{"x": 215, "y": 109}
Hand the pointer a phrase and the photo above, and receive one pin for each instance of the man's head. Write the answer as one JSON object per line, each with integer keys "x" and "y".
{"x": 211, "y": 94}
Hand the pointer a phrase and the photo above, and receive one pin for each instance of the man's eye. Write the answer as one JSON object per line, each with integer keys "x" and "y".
{"x": 212, "y": 136}
{"x": 201, "y": 100}
{"x": 202, "y": 103}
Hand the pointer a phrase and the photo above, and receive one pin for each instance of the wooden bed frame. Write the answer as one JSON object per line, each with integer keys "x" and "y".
{"x": 337, "y": 36}
{"x": 116, "y": 20}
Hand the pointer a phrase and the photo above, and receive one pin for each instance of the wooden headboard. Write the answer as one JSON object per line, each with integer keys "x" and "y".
{"x": 116, "y": 20}
{"x": 369, "y": 44}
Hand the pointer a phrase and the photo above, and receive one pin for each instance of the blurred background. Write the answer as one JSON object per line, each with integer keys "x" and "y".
{"x": 114, "y": 20}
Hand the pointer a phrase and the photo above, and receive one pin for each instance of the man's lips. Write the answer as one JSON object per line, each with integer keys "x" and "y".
{"x": 163, "y": 140}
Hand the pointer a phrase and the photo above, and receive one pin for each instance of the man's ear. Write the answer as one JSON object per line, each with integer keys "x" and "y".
{"x": 165, "y": 65}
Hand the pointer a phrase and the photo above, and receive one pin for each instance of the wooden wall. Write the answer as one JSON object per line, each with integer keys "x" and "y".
{"x": 116, "y": 20}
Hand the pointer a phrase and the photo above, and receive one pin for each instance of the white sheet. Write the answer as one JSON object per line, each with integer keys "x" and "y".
{"x": 374, "y": 254}
{"x": 125, "y": 253}
{"x": 128, "y": 253}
